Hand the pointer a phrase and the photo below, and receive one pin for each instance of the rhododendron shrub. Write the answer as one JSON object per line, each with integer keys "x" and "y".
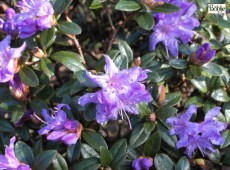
{"x": 116, "y": 84}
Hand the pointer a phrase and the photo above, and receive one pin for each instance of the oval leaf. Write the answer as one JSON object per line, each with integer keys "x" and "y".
{"x": 28, "y": 77}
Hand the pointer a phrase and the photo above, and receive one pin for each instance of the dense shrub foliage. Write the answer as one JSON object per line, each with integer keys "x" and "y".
{"x": 114, "y": 84}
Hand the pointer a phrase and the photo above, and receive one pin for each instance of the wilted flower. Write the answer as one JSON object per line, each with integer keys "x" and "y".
{"x": 18, "y": 89}
{"x": 9, "y": 59}
{"x": 197, "y": 135}
{"x": 171, "y": 27}
{"x": 59, "y": 127}
{"x": 9, "y": 161}
{"x": 203, "y": 54}
{"x": 142, "y": 163}
{"x": 34, "y": 15}
{"x": 121, "y": 92}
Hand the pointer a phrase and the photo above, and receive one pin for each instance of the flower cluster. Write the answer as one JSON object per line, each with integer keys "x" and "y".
{"x": 9, "y": 161}
{"x": 58, "y": 127}
{"x": 121, "y": 91}
{"x": 171, "y": 27}
{"x": 9, "y": 59}
{"x": 34, "y": 15}
{"x": 203, "y": 54}
{"x": 197, "y": 135}
{"x": 142, "y": 163}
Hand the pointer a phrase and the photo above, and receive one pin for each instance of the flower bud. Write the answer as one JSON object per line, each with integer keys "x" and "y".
{"x": 37, "y": 52}
{"x": 161, "y": 94}
{"x": 10, "y": 14}
{"x": 202, "y": 55}
{"x": 137, "y": 61}
{"x": 152, "y": 117}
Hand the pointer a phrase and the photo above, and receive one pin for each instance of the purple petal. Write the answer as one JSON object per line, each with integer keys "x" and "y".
{"x": 70, "y": 138}
{"x": 110, "y": 67}
{"x": 88, "y": 98}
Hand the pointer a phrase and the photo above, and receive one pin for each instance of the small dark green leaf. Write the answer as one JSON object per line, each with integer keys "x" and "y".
{"x": 37, "y": 147}
{"x": 165, "y": 112}
{"x": 28, "y": 77}
{"x": 5, "y": 126}
{"x": 166, "y": 8}
{"x": 220, "y": 95}
{"x": 118, "y": 151}
{"x": 127, "y": 5}
{"x": 47, "y": 67}
{"x": 59, "y": 163}
{"x": 94, "y": 139}
{"x": 90, "y": 112}
{"x": 69, "y": 28}
{"x": 212, "y": 68}
{"x": 152, "y": 145}
{"x": 138, "y": 136}
{"x": 87, "y": 151}
{"x": 71, "y": 60}
{"x": 226, "y": 160}
{"x": 149, "y": 126}
{"x": 163, "y": 162}
{"x": 145, "y": 20}
{"x": 200, "y": 83}
{"x": 143, "y": 109}
{"x": 198, "y": 101}
{"x": 44, "y": 159}
{"x": 73, "y": 151}
{"x": 87, "y": 164}
{"x": 47, "y": 37}
{"x": 226, "y": 137}
{"x": 125, "y": 50}
{"x": 60, "y": 6}
{"x": 173, "y": 98}
{"x": 106, "y": 156}
{"x": 24, "y": 153}
{"x": 218, "y": 20}
{"x": 183, "y": 164}
{"x": 178, "y": 63}
{"x": 214, "y": 156}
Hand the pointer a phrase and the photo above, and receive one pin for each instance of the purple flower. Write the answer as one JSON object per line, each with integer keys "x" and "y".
{"x": 58, "y": 127}
{"x": 197, "y": 135}
{"x": 9, "y": 59}
{"x": 120, "y": 92}
{"x": 171, "y": 27}
{"x": 34, "y": 15}
{"x": 203, "y": 54}
{"x": 9, "y": 25}
{"x": 142, "y": 163}
{"x": 18, "y": 89}
{"x": 9, "y": 161}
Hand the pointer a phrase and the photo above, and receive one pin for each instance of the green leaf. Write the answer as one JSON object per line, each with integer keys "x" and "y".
{"x": 220, "y": 95}
{"x": 227, "y": 111}
{"x": 138, "y": 136}
{"x": 152, "y": 145}
{"x": 69, "y": 28}
{"x": 24, "y": 153}
{"x": 71, "y": 60}
{"x": 145, "y": 20}
{"x": 163, "y": 162}
{"x": 94, "y": 139}
{"x": 106, "y": 156}
{"x": 127, "y": 5}
{"x": 226, "y": 160}
{"x": 166, "y": 8}
{"x": 73, "y": 151}
{"x": 59, "y": 163}
{"x": 212, "y": 68}
{"x": 37, "y": 149}
{"x": 118, "y": 151}
{"x": 87, "y": 151}
{"x": 165, "y": 112}
{"x": 44, "y": 159}
{"x": 183, "y": 164}
{"x": 18, "y": 112}
{"x": 47, "y": 67}
{"x": 226, "y": 137}
{"x": 47, "y": 37}
{"x": 28, "y": 77}
{"x": 178, "y": 63}
{"x": 218, "y": 20}
{"x": 173, "y": 98}
{"x": 87, "y": 164}
{"x": 143, "y": 109}
{"x": 214, "y": 156}
{"x": 198, "y": 101}
{"x": 96, "y": 4}
{"x": 125, "y": 50}
{"x": 60, "y": 6}
{"x": 5, "y": 126}
{"x": 149, "y": 126}
{"x": 200, "y": 83}
{"x": 90, "y": 112}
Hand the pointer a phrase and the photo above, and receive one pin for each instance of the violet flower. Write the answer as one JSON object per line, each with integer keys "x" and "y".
{"x": 34, "y": 15}
{"x": 9, "y": 59}
{"x": 120, "y": 92}
{"x": 171, "y": 27}
{"x": 203, "y": 54}
{"x": 197, "y": 135}
{"x": 9, "y": 26}
{"x": 142, "y": 163}
{"x": 59, "y": 127}
{"x": 18, "y": 89}
{"x": 9, "y": 161}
